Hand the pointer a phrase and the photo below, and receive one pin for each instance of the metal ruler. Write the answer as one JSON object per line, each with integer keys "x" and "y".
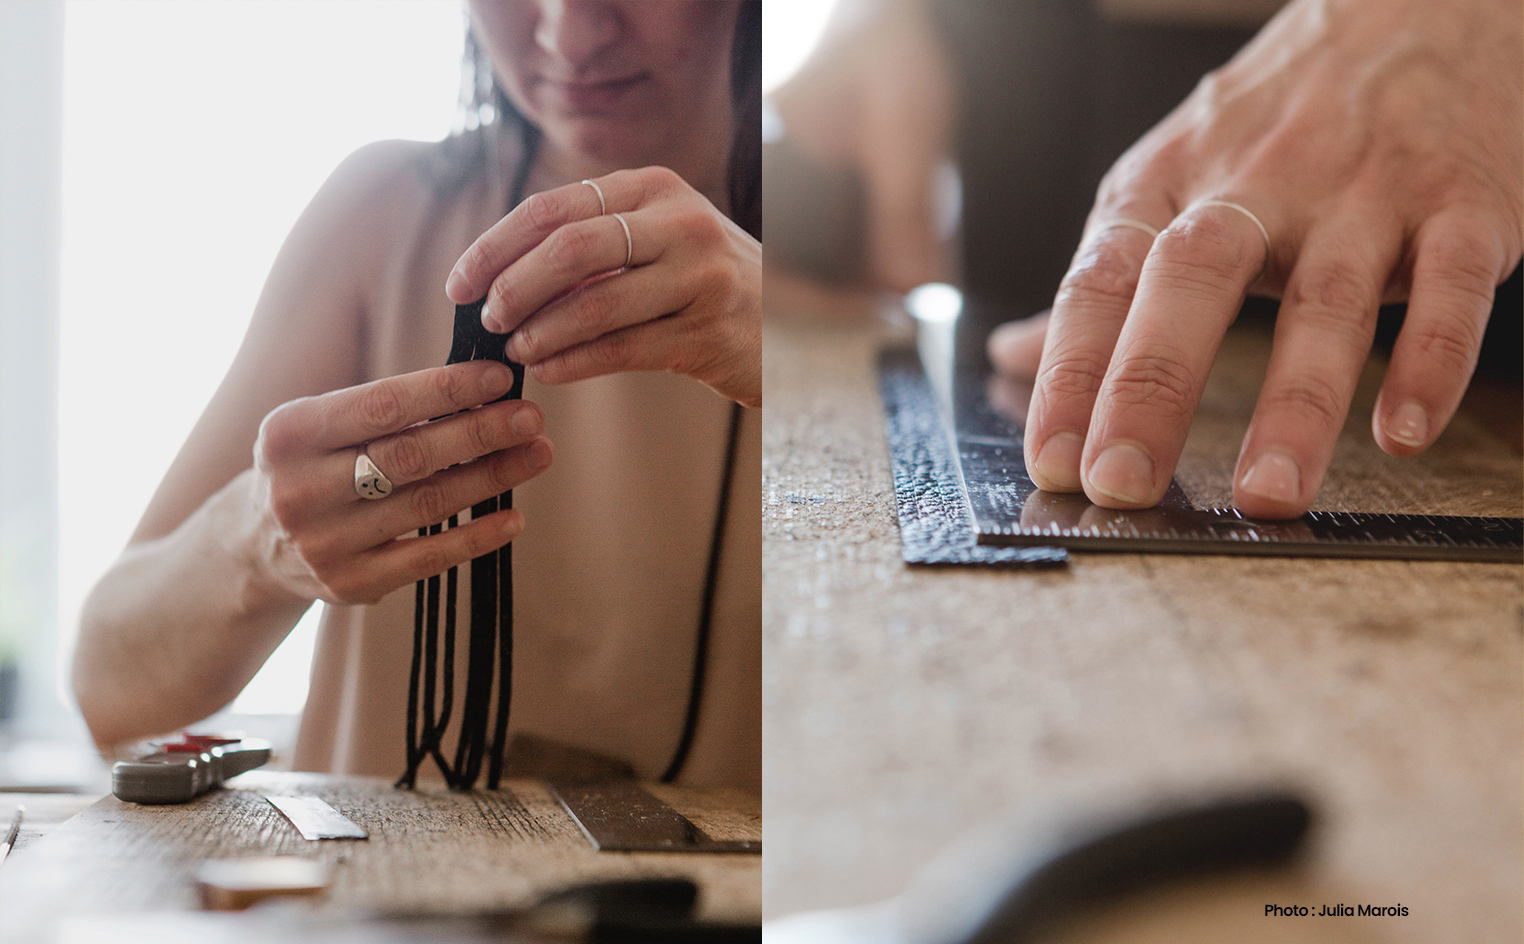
{"x": 1004, "y": 510}
{"x": 315, "y": 819}
{"x": 620, "y": 816}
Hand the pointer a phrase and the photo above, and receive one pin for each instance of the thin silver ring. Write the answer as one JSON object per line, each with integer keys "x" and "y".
{"x": 1263, "y": 233}
{"x": 629, "y": 244}
{"x": 1131, "y": 224}
{"x": 603, "y": 208}
{"x": 370, "y": 482}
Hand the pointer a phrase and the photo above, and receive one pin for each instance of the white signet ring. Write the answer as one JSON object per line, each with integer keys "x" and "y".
{"x": 629, "y": 244}
{"x": 370, "y": 482}
{"x": 603, "y": 208}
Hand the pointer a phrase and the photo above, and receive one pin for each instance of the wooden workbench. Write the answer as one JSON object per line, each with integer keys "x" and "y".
{"x": 905, "y": 707}
{"x": 430, "y": 852}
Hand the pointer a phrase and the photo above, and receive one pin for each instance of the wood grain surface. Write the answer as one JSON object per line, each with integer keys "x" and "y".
{"x": 906, "y": 707}
{"x": 430, "y": 851}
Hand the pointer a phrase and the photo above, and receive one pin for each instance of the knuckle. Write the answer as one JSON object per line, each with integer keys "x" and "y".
{"x": 1074, "y": 374}
{"x": 1160, "y": 382}
{"x": 279, "y": 436}
{"x": 1212, "y": 247}
{"x": 430, "y": 502}
{"x": 483, "y": 435}
{"x": 1333, "y": 285}
{"x": 593, "y": 312}
{"x": 1310, "y": 398}
{"x": 703, "y": 228}
{"x": 286, "y": 506}
{"x": 568, "y": 246}
{"x": 1450, "y": 345}
{"x": 479, "y": 541}
{"x": 380, "y": 406}
{"x": 434, "y": 557}
{"x": 1459, "y": 262}
{"x": 479, "y": 259}
{"x": 1099, "y": 277}
{"x": 407, "y": 458}
{"x": 543, "y": 212}
{"x": 658, "y": 179}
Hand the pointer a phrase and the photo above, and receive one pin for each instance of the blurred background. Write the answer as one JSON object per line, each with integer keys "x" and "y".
{"x": 153, "y": 156}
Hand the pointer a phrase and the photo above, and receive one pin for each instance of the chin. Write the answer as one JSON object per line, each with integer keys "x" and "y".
{"x": 612, "y": 141}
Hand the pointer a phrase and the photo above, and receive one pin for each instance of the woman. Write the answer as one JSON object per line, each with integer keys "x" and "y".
{"x": 634, "y": 374}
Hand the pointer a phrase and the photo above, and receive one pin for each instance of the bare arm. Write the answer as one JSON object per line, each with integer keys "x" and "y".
{"x": 238, "y": 541}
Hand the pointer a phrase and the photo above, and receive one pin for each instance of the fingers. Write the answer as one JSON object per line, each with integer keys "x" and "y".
{"x": 356, "y": 415}
{"x": 566, "y": 259}
{"x": 1086, "y": 320}
{"x": 595, "y": 310}
{"x": 420, "y": 451}
{"x": 1015, "y": 348}
{"x": 1322, "y": 337}
{"x": 525, "y": 227}
{"x": 446, "y": 493}
{"x": 372, "y": 575}
{"x": 732, "y": 370}
{"x": 1190, "y": 290}
{"x": 1456, "y": 271}
{"x": 541, "y": 215}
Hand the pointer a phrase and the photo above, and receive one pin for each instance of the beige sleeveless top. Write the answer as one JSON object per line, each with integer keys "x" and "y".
{"x": 609, "y": 571}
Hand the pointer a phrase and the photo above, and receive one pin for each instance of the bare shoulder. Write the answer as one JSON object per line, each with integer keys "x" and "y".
{"x": 367, "y": 200}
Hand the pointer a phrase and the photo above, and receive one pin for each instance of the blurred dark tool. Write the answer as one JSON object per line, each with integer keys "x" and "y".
{"x": 620, "y": 816}
{"x": 947, "y": 438}
{"x": 1002, "y": 887}
{"x": 11, "y": 833}
{"x": 183, "y": 770}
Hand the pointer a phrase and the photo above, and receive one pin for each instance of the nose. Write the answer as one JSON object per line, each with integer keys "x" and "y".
{"x": 577, "y": 30}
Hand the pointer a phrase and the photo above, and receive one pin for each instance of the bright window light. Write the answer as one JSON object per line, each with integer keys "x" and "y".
{"x": 790, "y": 31}
{"x": 194, "y": 134}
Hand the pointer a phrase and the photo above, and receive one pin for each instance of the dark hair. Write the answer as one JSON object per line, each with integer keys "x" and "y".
{"x": 483, "y": 102}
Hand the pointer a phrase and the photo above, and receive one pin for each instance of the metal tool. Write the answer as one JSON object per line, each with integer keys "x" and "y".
{"x": 12, "y": 832}
{"x": 185, "y": 769}
{"x": 978, "y": 473}
{"x": 1002, "y": 886}
{"x": 315, "y": 819}
{"x": 620, "y": 816}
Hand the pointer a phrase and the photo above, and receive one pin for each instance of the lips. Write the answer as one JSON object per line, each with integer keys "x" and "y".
{"x": 583, "y": 95}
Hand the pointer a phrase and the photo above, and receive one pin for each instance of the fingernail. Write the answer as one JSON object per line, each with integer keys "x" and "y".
{"x": 526, "y": 422}
{"x": 516, "y": 348}
{"x": 496, "y": 382}
{"x": 455, "y": 282}
{"x": 1408, "y": 424}
{"x": 489, "y": 321}
{"x": 1124, "y": 472}
{"x": 1274, "y": 475}
{"x": 1058, "y": 460}
{"x": 537, "y": 456}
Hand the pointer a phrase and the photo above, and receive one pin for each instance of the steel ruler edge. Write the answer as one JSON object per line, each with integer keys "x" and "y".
{"x": 934, "y": 517}
{"x": 989, "y": 481}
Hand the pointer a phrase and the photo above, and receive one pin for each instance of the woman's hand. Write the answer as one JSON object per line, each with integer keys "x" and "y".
{"x": 1379, "y": 143}
{"x": 682, "y": 295}
{"x": 321, "y": 539}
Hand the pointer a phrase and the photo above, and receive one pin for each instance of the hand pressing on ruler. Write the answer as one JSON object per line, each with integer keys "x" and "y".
{"x": 635, "y": 270}
{"x": 322, "y": 539}
{"x": 1352, "y": 154}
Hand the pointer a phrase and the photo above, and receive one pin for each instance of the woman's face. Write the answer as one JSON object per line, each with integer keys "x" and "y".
{"x": 614, "y": 81}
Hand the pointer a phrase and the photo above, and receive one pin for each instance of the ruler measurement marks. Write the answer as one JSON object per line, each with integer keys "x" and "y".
{"x": 1008, "y": 511}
